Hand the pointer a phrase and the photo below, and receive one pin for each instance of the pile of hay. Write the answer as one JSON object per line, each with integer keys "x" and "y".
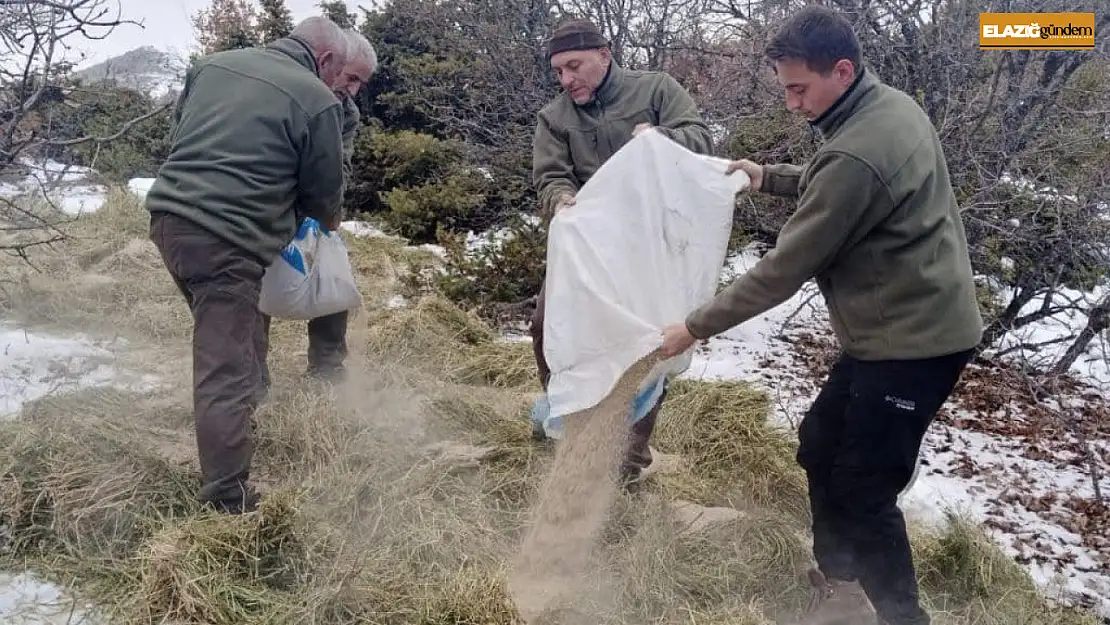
{"x": 737, "y": 457}
{"x": 366, "y": 519}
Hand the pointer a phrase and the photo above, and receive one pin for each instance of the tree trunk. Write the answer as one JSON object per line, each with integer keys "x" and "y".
{"x": 1098, "y": 320}
{"x": 996, "y": 329}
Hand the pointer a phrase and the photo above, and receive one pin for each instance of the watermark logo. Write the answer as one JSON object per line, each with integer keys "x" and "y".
{"x": 1036, "y": 31}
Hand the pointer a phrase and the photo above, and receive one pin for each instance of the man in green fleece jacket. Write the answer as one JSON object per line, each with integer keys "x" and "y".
{"x": 878, "y": 226}
{"x": 256, "y": 141}
{"x": 602, "y": 107}
{"x": 327, "y": 335}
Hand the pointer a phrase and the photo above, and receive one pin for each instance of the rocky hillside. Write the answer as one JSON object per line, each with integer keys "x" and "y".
{"x": 146, "y": 69}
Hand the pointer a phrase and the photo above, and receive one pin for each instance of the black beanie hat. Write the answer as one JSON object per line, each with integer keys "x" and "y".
{"x": 575, "y": 34}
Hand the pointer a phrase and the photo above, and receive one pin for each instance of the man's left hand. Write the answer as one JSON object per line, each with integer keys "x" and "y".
{"x": 332, "y": 224}
{"x": 640, "y": 128}
{"x": 676, "y": 340}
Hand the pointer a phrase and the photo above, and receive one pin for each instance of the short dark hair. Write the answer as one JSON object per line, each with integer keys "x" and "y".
{"x": 817, "y": 35}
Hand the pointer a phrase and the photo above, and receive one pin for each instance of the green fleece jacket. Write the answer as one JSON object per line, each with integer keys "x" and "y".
{"x": 878, "y": 227}
{"x": 257, "y": 138}
{"x": 351, "y": 118}
{"x": 571, "y": 142}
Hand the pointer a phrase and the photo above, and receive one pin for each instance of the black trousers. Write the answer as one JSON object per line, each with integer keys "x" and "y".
{"x": 858, "y": 444}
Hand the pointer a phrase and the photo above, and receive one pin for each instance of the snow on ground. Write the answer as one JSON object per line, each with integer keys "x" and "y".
{"x": 1028, "y": 488}
{"x": 1026, "y": 485}
{"x": 1025, "y": 489}
{"x": 32, "y": 366}
{"x": 140, "y": 186}
{"x": 26, "y": 600}
{"x": 68, "y": 187}
{"x": 1041, "y": 344}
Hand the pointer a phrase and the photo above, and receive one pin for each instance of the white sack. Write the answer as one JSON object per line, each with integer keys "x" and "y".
{"x": 312, "y": 277}
{"x": 642, "y": 247}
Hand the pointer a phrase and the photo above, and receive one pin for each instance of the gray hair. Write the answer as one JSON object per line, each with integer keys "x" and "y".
{"x": 359, "y": 47}
{"x": 322, "y": 35}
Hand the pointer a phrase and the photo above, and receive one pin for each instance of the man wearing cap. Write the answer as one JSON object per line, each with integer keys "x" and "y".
{"x": 601, "y": 108}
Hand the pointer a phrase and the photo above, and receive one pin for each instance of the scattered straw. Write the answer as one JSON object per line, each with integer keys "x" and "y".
{"x": 362, "y": 521}
{"x": 737, "y": 458}
{"x": 213, "y": 569}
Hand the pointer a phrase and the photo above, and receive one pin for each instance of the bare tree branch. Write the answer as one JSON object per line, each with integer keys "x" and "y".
{"x": 34, "y": 35}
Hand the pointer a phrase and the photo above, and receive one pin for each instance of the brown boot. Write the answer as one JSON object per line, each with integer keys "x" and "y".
{"x": 837, "y": 602}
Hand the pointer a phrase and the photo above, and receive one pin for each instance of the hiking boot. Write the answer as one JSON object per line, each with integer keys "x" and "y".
{"x": 243, "y": 505}
{"x": 538, "y": 433}
{"x": 837, "y": 602}
{"x": 332, "y": 374}
{"x": 631, "y": 478}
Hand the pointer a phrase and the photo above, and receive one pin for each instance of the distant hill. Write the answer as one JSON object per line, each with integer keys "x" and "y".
{"x": 145, "y": 69}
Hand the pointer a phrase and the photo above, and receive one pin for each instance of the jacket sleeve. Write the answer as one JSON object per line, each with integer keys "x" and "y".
{"x": 781, "y": 180}
{"x": 679, "y": 118}
{"x": 843, "y": 201}
{"x": 179, "y": 104}
{"x": 552, "y": 170}
{"x": 320, "y": 178}
{"x": 351, "y": 119}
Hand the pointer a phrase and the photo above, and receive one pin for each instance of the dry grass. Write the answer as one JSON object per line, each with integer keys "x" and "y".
{"x": 363, "y": 522}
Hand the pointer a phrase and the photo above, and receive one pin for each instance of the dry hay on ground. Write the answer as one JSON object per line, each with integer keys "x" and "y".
{"x": 737, "y": 457}
{"x": 106, "y": 274}
{"x": 381, "y": 521}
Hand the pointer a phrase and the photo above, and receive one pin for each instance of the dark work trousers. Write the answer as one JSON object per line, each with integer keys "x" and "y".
{"x": 220, "y": 283}
{"x": 327, "y": 344}
{"x": 638, "y": 457}
{"x": 327, "y": 339}
{"x": 858, "y": 444}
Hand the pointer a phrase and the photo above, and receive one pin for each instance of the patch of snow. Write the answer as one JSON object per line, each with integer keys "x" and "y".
{"x": 35, "y": 365}
{"x": 1043, "y": 342}
{"x": 477, "y": 242}
{"x": 397, "y": 301}
{"x": 718, "y": 132}
{"x": 995, "y": 492}
{"x": 67, "y": 187}
{"x": 50, "y": 172}
{"x": 81, "y": 200}
{"x": 1040, "y": 192}
{"x": 438, "y": 250}
{"x": 25, "y": 600}
{"x": 362, "y": 229}
{"x": 9, "y": 190}
{"x": 140, "y": 186}
{"x": 1022, "y": 503}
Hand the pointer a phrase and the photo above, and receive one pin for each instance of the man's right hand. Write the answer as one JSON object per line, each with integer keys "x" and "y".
{"x": 755, "y": 172}
{"x": 566, "y": 200}
{"x": 332, "y": 224}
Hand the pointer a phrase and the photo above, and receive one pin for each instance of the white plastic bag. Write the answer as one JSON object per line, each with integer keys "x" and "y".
{"x": 312, "y": 277}
{"x": 643, "y": 246}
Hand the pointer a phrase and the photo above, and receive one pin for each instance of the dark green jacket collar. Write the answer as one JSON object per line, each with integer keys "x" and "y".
{"x": 298, "y": 50}
{"x": 610, "y": 88}
{"x": 831, "y": 120}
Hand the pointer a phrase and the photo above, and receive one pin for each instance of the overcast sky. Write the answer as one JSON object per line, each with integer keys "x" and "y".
{"x": 167, "y": 25}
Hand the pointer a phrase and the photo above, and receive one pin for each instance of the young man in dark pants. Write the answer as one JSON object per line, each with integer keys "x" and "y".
{"x": 878, "y": 226}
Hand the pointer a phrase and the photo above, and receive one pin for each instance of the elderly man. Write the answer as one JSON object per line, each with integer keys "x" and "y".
{"x": 327, "y": 336}
{"x": 601, "y": 108}
{"x": 256, "y": 139}
{"x": 878, "y": 226}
